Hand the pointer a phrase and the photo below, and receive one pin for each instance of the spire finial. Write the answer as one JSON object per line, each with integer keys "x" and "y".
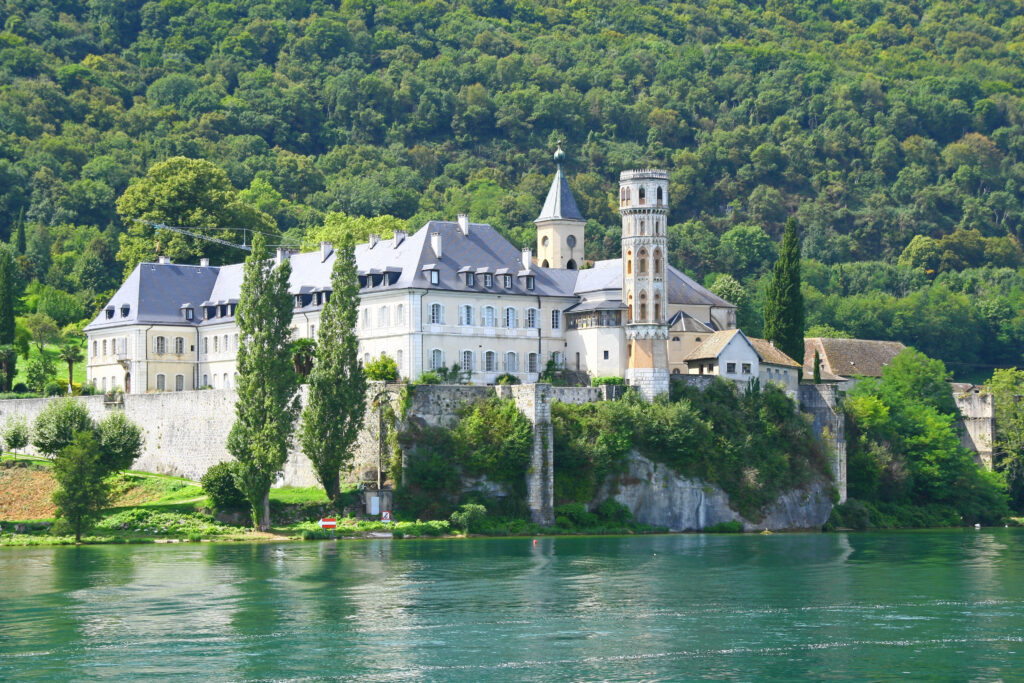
{"x": 559, "y": 155}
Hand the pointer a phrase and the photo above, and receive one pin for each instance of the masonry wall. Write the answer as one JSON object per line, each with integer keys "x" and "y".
{"x": 819, "y": 400}
{"x": 978, "y": 423}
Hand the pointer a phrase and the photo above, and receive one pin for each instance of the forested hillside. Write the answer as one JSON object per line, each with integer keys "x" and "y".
{"x": 891, "y": 130}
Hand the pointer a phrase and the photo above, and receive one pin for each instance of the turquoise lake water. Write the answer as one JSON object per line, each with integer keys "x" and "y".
{"x": 944, "y": 605}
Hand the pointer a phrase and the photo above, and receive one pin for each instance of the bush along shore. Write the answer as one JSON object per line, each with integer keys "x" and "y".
{"x": 159, "y": 509}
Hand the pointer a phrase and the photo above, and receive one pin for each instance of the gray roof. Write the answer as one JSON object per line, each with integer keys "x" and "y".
{"x": 560, "y": 204}
{"x": 687, "y": 323}
{"x": 154, "y": 293}
{"x": 682, "y": 289}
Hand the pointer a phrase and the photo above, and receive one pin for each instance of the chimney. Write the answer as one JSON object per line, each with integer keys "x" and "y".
{"x": 464, "y": 223}
{"x": 204, "y": 262}
{"x": 400, "y": 236}
{"x": 435, "y": 243}
{"x": 374, "y": 238}
{"x": 282, "y": 255}
{"x": 527, "y": 258}
{"x": 163, "y": 260}
{"x": 325, "y": 250}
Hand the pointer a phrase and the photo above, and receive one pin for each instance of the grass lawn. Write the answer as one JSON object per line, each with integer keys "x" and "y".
{"x": 60, "y": 366}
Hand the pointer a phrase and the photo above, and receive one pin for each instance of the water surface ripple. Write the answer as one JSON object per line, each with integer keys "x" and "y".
{"x": 943, "y": 605}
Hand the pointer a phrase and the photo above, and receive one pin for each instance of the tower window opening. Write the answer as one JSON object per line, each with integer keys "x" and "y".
{"x": 641, "y": 196}
{"x": 659, "y": 197}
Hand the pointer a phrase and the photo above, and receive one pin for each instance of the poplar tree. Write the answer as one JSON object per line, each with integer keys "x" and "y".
{"x": 783, "y": 302}
{"x": 336, "y": 403}
{"x": 8, "y": 355}
{"x": 267, "y": 405}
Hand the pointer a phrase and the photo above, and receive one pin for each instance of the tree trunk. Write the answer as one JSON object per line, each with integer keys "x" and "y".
{"x": 71, "y": 374}
{"x": 333, "y": 488}
{"x": 265, "y": 519}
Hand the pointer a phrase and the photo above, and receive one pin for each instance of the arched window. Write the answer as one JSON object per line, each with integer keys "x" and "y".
{"x": 544, "y": 241}
{"x": 436, "y": 359}
{"x": 398, "y": 361}
{"x": 657, "y": 261}
{"x": 206, "y": 345}
{"x": 629, "y": 194}
{"x": 366, "y": 359}
{"x": 571, "y": 265}
{"x": 436, "y": 314}
{"x": 366, "y": 318}
{"x": 382, "y": 317}
{"x": 557, "y": 358}
{"x": 400, "y": 314}
{"x": 643, "y": 227}
{"x": 226, "y": 347}
{"x": 532, "y": 317}
{"x": 227, "y": 382}
{"x": 544, "y": 264}
{"x": 179, "y": 345}
{"x": 161, "y": 344}
{"x": 511, "y": 362}
{"x": 511, "y": 317}
{"x": 488, "y": 316}
{"x": 629, "y": 262}
{"x": 95, "y": 348}
{"x": 161, "y": 383}
{"x": 216, "y": 344}
{"x": 467, "y": 361}
{"x": 641, "y": 196}
{"x": 206, "y": 380}
{"x": 103, "y": 384}
{"x": 642, "y": 258}
{"x": 104, "y": 347}
{"x": 490, "y": 361}
{"x": 465, "y": 314}
{"x": 531, "y": 363}
{"x": 643, "y": 306}
{"x": 179, "y": 382}
{"x": 659, "y": 195}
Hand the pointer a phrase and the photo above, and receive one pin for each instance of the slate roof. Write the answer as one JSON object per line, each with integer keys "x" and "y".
{"x": 845, "y": 358}
{"x": 769, "y": 354}
{"x": 713, "y": 345}
{"x": 155, "y": 292}
{"x": 687, "y": 323}
{"x": 682, "y": 289}
{"x": 560, "y": 204}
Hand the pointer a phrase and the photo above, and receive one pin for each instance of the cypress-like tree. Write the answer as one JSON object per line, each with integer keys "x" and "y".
{"x": 783, "y": 302}
{"x": 336, "y": 403}
{"x": 267, "y": 405}
{"x": 8, "y": 355}
{"x": 817, "y": 367}
{"x": 19, "y": 241}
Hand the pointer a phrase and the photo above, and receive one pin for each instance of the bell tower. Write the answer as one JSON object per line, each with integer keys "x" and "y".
{"x": 643, "y": 205}
{"x": 560, "y": 224}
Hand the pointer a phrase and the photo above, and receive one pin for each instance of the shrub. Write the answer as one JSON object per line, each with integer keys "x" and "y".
{"x": 468, "y": 517}
{"x": 601, "y": 381}
{"x": 20, "y": 388}
{"x": 430, "y": 377}
{"x": 219, "y": 484}
{"x": 615, "y": 512}
{"x": 506, "y": 379}
{"x": 54, "y": 389}
{"x": 731, "y": 527}
{"x": 576, "y": 515}
{"x": 383, "y": 369}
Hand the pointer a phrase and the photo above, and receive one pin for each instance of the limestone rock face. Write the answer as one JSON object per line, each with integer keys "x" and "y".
{"x": 659, "y": 496}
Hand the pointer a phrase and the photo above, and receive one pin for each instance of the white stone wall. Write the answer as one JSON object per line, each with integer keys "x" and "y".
{"x": 977, "y": 423}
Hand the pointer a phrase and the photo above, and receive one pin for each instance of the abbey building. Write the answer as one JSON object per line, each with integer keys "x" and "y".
{"x": 453, "y": 293}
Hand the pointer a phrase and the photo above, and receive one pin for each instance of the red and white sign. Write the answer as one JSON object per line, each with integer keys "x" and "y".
{"x": 328, "y": 523}
{"x": 386, "y": 516}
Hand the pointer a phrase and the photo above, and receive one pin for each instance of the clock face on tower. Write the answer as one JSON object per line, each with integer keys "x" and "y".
{"x": 571, "y": 240}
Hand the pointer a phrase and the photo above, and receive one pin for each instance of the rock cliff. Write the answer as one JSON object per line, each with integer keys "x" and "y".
{"x": 659, "y": 496}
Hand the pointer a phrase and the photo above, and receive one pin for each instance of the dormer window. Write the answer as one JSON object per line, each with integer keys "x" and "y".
{"x": 488, "y": 280}
{"x": 125, "y": 310}
{"x": 110, "y": 313}
{"x": 471, "y": 279}
{"x": 435, "y": 277}
{"x": 530, "y": 282}
{"x": 507, "y": 281}
{"x": 190, "y": 314}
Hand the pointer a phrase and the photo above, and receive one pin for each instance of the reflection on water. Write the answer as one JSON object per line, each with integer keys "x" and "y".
{"x": 932, "y": 604}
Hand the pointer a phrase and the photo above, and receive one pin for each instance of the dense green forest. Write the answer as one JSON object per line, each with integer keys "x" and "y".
{"x": 892, "y": 131}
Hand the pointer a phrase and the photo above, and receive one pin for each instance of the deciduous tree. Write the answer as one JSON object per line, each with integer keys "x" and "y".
{"x": 81, "y": 477}
{"x": 336, "y": 403}
{"x": 267, "y": 405}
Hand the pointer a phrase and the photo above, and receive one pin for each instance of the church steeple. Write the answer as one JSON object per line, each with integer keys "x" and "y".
{"x": 560, "y": 225}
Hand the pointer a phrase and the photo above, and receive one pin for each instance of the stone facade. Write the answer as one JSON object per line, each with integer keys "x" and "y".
{"x": 819, "y": 400}
{"x": 977, "y": 422}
